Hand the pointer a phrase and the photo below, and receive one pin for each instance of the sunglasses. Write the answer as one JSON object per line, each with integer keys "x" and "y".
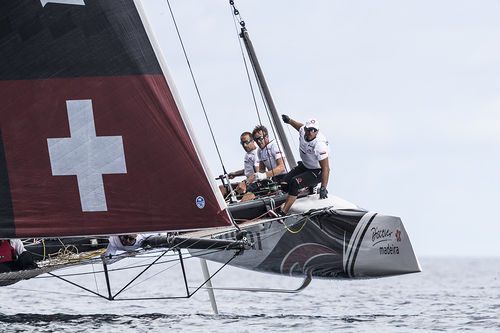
{"x": 260, "y": 138}
{"x": 314, "y": 130}
{"x": 245, "y": 142}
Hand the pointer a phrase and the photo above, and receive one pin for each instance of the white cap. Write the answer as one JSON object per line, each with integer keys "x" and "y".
{"x": 312, "y": 123}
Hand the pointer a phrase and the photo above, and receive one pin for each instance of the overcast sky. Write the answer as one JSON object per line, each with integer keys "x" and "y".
{"x": 407, "y": 92}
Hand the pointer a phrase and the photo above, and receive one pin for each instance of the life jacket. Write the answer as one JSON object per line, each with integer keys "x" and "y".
{"x": 7, "y": 252}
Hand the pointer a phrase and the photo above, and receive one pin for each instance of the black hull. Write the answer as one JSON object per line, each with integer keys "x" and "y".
{"x": 332, "y": 243}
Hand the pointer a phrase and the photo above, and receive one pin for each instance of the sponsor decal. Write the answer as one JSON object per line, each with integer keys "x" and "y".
{"x": 388, "y": 250}
{"x": 299, "y": 180}
{"x": 323, "y": 153}
{"x": 200, "y": 202}
{"x": 380, "y": 235}
{"x": 398, "y": 235}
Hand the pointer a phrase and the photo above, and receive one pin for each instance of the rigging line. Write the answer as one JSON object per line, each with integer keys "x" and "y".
{"x": 126, "y": 267}
{"x": 178, "y": 297}
{"x": 152, "y": 276}
{"x": 134, "y": 254}
{"x": 44, "y": 249}
{"x": 210, "y": 278}
{"x": 245, "y": 62}
{"x": 272, "y": 125}
{"x": 291, "y": 136}
{"x": 242, "y": 24}
{"x": 50, "y": 292}
{"x": 77, "y": 285}
{"x": 95, "y": 277}
{"x": 297, "y": 231}
{"x": 196, "y": 85}
{"x": 266, "y": 107}
{"x": 142, "y": 272}
{"x": 138, "y": 253}
{"x": 145, "y": 269}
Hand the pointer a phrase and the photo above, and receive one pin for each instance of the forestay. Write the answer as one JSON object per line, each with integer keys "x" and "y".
{"x": 93, "y": 139}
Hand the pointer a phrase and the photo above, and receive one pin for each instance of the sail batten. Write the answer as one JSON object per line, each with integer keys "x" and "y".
{"x": 93, "y": 139}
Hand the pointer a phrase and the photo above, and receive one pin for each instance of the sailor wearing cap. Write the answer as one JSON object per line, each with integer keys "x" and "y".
{"x": 314, "y": 168}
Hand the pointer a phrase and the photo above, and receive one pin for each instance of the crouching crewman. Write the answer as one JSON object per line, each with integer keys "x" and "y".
{"x": 313, "y": 169}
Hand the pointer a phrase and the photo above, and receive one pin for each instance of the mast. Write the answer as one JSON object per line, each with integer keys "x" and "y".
{"x": 268, "y": 98}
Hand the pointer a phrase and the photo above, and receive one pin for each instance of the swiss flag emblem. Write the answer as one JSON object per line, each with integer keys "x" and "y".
{"x": 93, "y": 156}
{"x": 86, "y": 156}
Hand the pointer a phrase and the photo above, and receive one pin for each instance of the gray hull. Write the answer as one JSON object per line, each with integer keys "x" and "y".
{"x": 342, "y": 241}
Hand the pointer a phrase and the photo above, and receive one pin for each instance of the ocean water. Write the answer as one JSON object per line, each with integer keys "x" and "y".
{"x": 451, "y": 294}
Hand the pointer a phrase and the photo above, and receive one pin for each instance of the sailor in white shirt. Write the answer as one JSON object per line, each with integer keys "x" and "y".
{"x": 250, "y": 165}
{"x": 272, "y": 159}
{"x": 314, "y": 168}
{"x": 122, "y": 243}
{"x": 271, "y": 163}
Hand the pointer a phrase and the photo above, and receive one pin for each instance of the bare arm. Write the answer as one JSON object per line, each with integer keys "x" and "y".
{"x": 251, "y": 178}
{"x": 295, "y": 124}
{"x": 231, "y": 175}
{"x": 279, "y": 168}
{"x": 325, "y": 171}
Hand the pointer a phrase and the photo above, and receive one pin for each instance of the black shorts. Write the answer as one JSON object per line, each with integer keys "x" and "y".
{"x": 300, "y": 177}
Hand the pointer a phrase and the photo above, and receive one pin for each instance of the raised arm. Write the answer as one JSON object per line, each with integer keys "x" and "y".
{"x": 288, "y": 120}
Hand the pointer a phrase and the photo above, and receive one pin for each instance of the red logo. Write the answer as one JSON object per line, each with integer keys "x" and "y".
{"x": 398, "y": 235}
{"x": 299, "y": 180}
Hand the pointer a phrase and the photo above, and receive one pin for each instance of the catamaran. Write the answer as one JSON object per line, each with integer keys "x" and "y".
{"x": 92, "y": 129}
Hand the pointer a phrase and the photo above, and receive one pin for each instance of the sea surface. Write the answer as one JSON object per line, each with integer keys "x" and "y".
{"x": 451, "y": 294}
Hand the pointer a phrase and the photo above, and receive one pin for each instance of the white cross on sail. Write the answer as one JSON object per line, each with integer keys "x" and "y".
{"x": 86, "y": 155}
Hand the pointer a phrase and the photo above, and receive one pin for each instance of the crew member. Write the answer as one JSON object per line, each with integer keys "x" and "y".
{"x": 250, "y": 165}
{"x": 122, "y": 243}
{"x": 271, "y": 161}
{"x": 314, "y": 168}
{"x": 14, "y": 257}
